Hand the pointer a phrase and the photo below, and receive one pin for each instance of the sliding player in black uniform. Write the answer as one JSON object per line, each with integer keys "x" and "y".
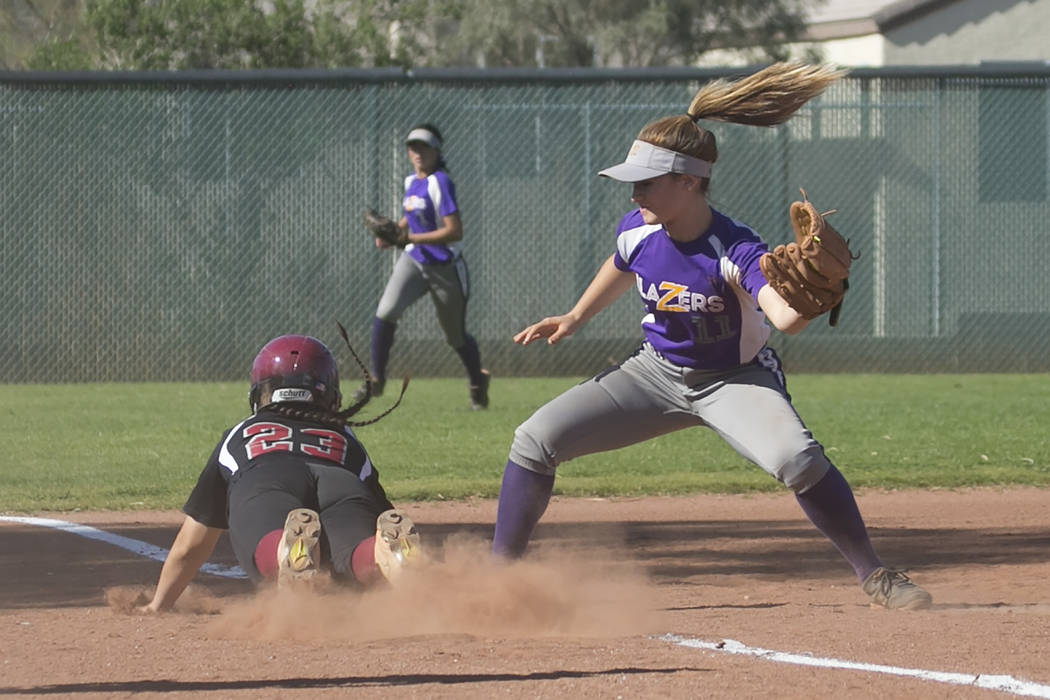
{"x": 293, "y": 485}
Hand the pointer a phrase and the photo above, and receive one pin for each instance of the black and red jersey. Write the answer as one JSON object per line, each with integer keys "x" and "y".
{"x": 268, "y": 438}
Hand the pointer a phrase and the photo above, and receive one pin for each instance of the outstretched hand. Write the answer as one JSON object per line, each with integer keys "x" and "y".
{"x": 553, "y": 328}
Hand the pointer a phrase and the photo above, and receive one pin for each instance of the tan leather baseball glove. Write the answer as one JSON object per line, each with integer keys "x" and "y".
{"x": 812, "y": 272}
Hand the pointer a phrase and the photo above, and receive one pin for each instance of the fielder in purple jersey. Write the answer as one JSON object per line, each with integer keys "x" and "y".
{"x": 432, "y": 263}
{"x": 704, "y": 359}
{"x": 699, "y": 295}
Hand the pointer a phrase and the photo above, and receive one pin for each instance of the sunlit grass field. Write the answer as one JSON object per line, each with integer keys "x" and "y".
{"x": 141, "y": 446}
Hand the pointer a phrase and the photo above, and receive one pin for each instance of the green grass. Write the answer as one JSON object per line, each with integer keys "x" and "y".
{"x": 130, "y": 446}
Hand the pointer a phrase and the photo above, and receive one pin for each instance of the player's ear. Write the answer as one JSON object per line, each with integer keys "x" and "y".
{"x": 695, "y": 183}
{"x": 689, "y": 182}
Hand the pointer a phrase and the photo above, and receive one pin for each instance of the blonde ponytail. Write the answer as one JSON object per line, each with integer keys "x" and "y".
{"x": 765, "y": 98}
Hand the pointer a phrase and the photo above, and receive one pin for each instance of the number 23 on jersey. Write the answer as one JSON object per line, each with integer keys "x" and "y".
{"x": 266, "y": 437}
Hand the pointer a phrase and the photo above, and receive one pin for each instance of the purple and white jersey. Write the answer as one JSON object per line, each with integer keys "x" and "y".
{"x": 426, "y": 201}
{"x": 700, "y": 297}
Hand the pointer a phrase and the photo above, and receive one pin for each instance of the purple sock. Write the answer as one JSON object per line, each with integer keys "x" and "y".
{"x": 523, "y": 496}
{"x": 471, "y": 357}
{"x": 382, "y": 341}
{"x": 830, "y": 506}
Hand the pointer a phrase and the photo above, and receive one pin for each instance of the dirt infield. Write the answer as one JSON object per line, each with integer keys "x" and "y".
{"x": 587, "y": 616}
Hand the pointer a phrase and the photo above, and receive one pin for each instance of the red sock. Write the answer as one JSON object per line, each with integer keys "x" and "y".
{"x": 266, "y": 553}
{"x": 363, "y": 561}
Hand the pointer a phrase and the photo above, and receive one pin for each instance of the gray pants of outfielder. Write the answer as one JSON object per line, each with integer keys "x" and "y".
{"x": 648, "y": 396}
{"x": 448, "y": 286}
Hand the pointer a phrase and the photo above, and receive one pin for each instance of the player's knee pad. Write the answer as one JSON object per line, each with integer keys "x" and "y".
{"x": 805, "y": 469}
{"x": 531, "y": 451}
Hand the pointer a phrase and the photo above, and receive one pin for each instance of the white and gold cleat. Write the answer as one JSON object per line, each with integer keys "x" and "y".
{"x": 397, "y": 545}
{"x": 299, "y": 551}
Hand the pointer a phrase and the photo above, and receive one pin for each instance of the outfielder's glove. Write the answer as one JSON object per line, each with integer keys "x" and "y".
{"x": 384, "y": 228}
{"x": 812, "y": 272}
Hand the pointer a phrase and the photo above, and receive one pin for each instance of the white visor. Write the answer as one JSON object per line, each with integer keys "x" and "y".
{"x": 646, "y": 161}
{"x": 424, "y": 136}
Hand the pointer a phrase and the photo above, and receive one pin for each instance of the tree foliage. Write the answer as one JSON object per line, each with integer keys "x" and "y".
{"x": 233, "y": 34}
{"x": 252, "y": 34}
{"x": 42, "y": 35}
{"x": 588, "y": 33}
{"x": 60, "y": 54}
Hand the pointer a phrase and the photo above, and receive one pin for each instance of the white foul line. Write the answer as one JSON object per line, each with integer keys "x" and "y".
{"x": 136, "y": 546}
{"x": 1006, "y": 684}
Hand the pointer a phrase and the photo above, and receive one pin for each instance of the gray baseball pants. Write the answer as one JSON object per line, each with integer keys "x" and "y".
{"x": 647, "y": 396}
{"x": 448, "y": 286}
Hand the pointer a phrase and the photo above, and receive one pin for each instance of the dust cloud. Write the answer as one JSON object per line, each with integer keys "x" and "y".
{"x": 465, "y": 591}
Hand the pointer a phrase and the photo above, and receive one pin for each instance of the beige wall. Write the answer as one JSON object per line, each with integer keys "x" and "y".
{"x": 966, "y": 32}
{"x": 963, "y": 32}
{"x": 853, "y": 52}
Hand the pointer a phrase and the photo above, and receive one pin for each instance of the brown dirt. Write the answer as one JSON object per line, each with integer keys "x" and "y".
{"x": 581, "y": 617}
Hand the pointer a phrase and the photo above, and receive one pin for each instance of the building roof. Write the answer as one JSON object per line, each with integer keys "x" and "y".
{"x": 836, "y": 19}
{"x": 844, "y": 10}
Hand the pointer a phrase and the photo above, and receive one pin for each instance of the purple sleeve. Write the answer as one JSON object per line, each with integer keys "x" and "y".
{"x": 745, "y": 255}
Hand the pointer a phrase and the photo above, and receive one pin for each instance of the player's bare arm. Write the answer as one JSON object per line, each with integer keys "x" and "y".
{"x": 193, "y": 545}
{"x": 608, "y": 285}
{"x": 783, "y": 317}
{"x": 451, "y": 231}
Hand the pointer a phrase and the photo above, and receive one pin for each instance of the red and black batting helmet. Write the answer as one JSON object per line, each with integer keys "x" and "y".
{"x": 295, "y": 368}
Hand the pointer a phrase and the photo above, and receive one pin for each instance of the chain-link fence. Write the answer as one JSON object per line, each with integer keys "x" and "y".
{"x": 163, "y": 227}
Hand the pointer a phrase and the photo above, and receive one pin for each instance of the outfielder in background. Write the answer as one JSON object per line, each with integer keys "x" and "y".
{"x": 430, "y": 231}
{"x": 704, "y": 360}
{"x": 293, "y": 485}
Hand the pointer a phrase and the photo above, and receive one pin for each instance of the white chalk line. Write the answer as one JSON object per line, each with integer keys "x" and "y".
{"x": 135, "y": 546}
{"x": 1006, "y": 684}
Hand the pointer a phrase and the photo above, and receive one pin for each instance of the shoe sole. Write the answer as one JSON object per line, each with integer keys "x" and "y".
{"x": 298, "y": 552}
{"x": 919, "y": 603}
{"x": 397, "y": 543}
